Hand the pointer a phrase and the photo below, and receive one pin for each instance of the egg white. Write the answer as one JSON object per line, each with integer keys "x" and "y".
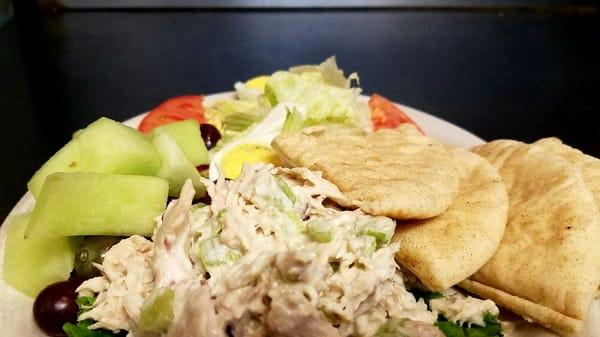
{"x": 260, "y": 134}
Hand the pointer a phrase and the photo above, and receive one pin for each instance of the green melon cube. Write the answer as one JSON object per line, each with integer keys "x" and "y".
{"x": 176, "y": 167}
{"x": 187, "y": 135}
{"x": 32, "y": 264}
{"x": 73, "y": 204}
{"x": 66, "y": 159}
{"x": 107, "y": 146}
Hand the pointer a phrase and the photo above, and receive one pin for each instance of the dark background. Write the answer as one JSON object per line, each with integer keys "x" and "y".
{"x": 520, "y": 72}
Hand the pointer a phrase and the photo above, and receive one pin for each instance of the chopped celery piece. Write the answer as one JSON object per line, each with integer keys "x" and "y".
{"x": 380, "y": 237}
{"x": 296, "y": 220}
{"x": 218, "y": 112}
{"x": 394, "y": 327}
{"x": 318, "y": 229}
{"x": 220, "y": 221}
{"x": 198, "y": 206}
{"x": 157, "y": 312}
{"x": 370, "y": 246}
{"x": 294, "y": 121}
{"x": 381, "y": 228}
{"x": 241, "y": 121}
{"x": 270, "y": 95}
{"x": 284, "y": 203}
{"x": 212, "y": 253}
{"x": 285, "y": 188}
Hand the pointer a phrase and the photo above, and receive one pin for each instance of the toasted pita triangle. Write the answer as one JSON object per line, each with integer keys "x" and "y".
{"x": 547, "y": 267}
{"x": 444, "y": 250}
{"x": 397, "y": 173}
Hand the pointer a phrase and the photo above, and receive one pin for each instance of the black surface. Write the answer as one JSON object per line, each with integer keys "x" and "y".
{"x": 520, "y": 75}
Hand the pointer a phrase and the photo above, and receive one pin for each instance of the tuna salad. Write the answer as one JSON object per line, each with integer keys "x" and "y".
{"x": 271, "y": 255}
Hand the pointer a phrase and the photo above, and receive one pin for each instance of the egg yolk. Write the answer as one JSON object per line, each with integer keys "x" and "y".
{"x": 257, "y": 83}
{"x": 232, "y": 161}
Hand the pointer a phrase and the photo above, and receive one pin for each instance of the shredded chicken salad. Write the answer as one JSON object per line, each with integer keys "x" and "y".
{"x": 272, "y": 255}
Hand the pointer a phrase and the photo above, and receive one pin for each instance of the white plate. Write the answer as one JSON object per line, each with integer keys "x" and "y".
{"x": 16, "y": 316}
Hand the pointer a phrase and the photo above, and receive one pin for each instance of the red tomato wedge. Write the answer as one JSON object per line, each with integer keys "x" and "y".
{"x": 173, "y": 110}
{"x": 386, "y": 115}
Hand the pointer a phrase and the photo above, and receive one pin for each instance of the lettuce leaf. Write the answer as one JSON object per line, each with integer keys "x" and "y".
{"x": 328, "y": 100}
{"x": 234, "y": 117}
{"x": 218, "y": 113}
{"x": 424, "y": 294}
{"x": 81, "y": 330}
{"x": 330, "y": 73}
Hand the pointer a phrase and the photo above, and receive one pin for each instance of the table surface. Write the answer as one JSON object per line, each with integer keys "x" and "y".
{"x": 512, "y": 74}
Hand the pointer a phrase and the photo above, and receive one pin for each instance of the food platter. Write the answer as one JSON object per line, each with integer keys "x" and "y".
{"x": 15, "y": 305}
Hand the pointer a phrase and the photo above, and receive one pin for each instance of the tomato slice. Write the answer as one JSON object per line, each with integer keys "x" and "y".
{"x": 173, "y": 110}
{"x": 386, "y": 115}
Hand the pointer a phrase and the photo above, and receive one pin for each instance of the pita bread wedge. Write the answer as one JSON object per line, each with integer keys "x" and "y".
{"x": 397, "y": 173}
{"x": 590, "y": 166}
{"x": 547, "y": 265}
{"x": 444, "y": 250}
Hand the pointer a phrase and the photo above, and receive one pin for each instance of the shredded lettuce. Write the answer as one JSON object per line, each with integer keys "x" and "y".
{"x": 219, "y": 113}
{"x": 213, "y": 253}
{"x": 325, "y": 91}
{"x": 234, "y": 118}
{"x": 239, "y": 122}
{"x": 330, "y": 73}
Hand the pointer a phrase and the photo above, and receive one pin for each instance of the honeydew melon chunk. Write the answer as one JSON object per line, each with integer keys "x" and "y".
{"x": 176, "y": 167}
{"x": 67, "y": 159}
{"x": 187, "y": 135}
{"x": 107, "y": 146}
{"x": 72, "y": 204}
{"x": 32, "y": 264}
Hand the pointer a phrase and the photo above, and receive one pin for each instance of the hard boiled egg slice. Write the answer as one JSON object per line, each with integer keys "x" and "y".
{"x": 254, "y": 146}
{"x": 257, "y": 83}
{"x": 251, "y": 89}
